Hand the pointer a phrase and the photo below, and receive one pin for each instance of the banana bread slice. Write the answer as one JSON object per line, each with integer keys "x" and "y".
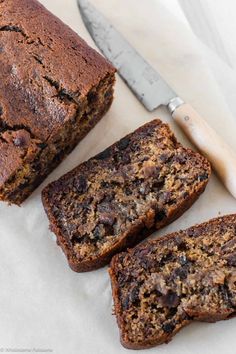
{"x": 117, "y": 198}
{"x": 53, "y": 89}
{"x": 161, "y": 286}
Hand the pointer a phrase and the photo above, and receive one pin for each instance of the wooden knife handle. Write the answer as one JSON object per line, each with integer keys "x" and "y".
{"x": 221, "y": 156}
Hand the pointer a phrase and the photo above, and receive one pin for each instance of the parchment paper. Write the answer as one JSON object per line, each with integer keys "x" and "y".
{"x": 45, "y": 305}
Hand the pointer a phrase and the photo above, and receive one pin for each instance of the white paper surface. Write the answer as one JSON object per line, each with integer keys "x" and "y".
{"x": 44, "y": 304}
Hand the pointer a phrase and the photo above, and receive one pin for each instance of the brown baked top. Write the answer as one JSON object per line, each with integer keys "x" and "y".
{"x": 46, "y": 69}
{"x": 162, "y": 285}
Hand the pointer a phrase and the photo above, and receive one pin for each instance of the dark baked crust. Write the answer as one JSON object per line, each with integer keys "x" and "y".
{"x": 52, "y": 85}
{"x": 43, "y": 64}
{"x": 182, "y": 277}
{"x": 119, "y": 197}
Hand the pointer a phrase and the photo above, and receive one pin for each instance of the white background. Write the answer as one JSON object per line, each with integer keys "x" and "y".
{"x": 43, "y": 304}
{"x": 213, "y": 21}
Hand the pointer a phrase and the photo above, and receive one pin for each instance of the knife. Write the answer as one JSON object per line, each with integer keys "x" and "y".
{"x": 150, "y": 88}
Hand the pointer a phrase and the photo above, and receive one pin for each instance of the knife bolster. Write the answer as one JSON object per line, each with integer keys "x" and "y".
{"x": 174, "y": 104}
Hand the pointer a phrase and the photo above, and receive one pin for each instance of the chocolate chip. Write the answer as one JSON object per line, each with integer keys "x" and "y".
{"x": 181, "y": 272}
{"x": 107, "y": 219}
{"x": 103, "y": 155}
{"x": 183, "y": 260}
{"x": 134, "y": 147}
{"x": 169, "y": 300}
{"x": 190, "y": 232}
{"x": 126, "y": 158}
{"x": 144, "y": 261}
{"x": 22, "y": 186}
{"x": 105, "y": 184}
{"x": 109, "y": 197}
{"x": 92, "y": 97}
{"x": 194, "y": 232}
{"x": 229, "y": 244}
{"x": 96, "y": 233}
{"x": 166, "y": 258}
{"x": 123, "y": 143}
{"x": 42, "y": 145}
{"x": 153, "y": 306}
{"x": 180, "y": 159}
{"x": 203, "y": 177}
{"x": 123, "y": 278}
{"x": 108, "y": 94}
{"x": 1, "y": 110}
{"x": 108, "y": 230}
{"x": 158, "y": 184}
{"x": 137, "y": 182}
{"x": 231, "y": 260}
{"x": 86, "y": 203}
{"x": 80, "y": 184}
{"x": 161, "y": 214}
{"x": 125, "y": 303}
{"x": 142, "y": 252}
{"x": 146, "y": 132}
{"x": 148, "y": 329}
{"x": 182, "y": 246}
{"x": 134, "y": 295}
{"x": 147, "y": 263}
{"x": 185, "y": 195}
{"x": 117, "y": 157}
{"x": 132, "y": 298}
{"x": 127, "y": 191}
{"x": 225, "y": 294}
{"x": 19, "y": 141}
{"x": 168, "y": 327}
{"x": 172, "y": 312}
{"x": 164, "y": 157}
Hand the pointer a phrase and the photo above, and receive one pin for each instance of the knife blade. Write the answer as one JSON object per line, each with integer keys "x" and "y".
{"x": 143, "y": 80}
{"x": 152, "y": 90}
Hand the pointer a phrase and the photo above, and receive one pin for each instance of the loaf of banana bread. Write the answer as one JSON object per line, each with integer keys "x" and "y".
{"x": 117, "y": 198}
{"x": 53, "y": 89}
{"x": 161, "y": 286}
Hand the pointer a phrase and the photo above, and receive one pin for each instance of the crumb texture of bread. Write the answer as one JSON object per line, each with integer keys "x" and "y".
{"x": 118, "y": 197}
{"x": 53, "y": 88}
{"x": 161, "y": 286}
